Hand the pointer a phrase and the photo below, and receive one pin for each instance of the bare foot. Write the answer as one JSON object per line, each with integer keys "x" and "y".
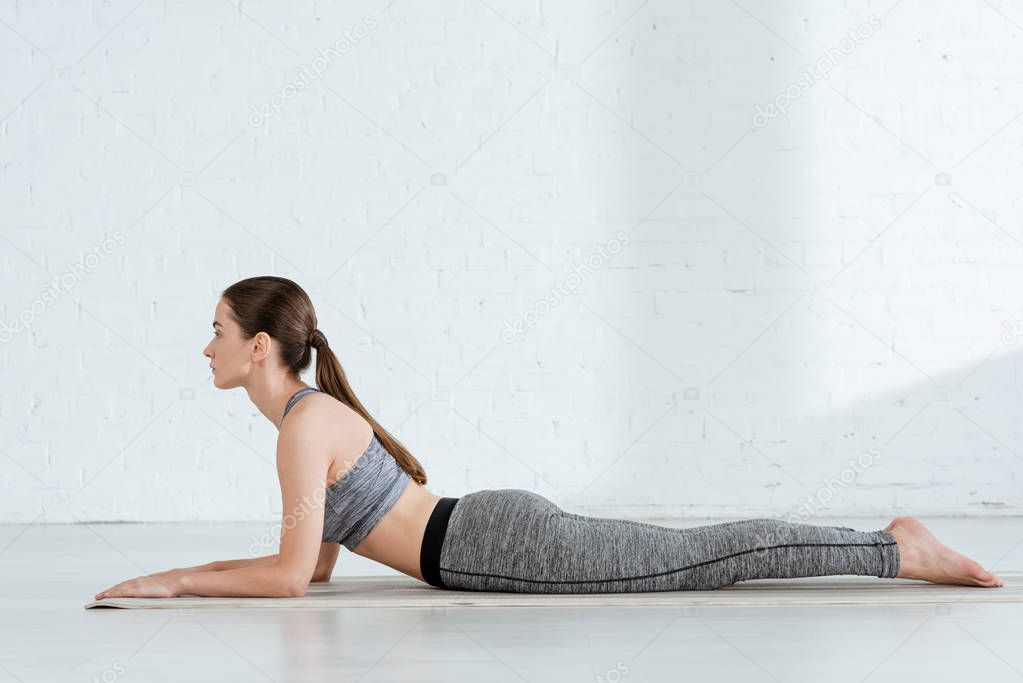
{"x": 921, "y": 556}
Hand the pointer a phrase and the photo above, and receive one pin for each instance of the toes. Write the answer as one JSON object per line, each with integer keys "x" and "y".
{"x": 978, "y": 572}
{"x": 988, "y": 579}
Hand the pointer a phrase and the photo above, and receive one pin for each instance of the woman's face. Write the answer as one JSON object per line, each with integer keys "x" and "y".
{"x": 228, "y": 351}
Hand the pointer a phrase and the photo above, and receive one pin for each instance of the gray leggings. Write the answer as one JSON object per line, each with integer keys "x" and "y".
{"x": 513, "y": 540}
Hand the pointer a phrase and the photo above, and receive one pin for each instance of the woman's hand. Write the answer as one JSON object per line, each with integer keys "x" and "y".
{"x": 163, "y": 585}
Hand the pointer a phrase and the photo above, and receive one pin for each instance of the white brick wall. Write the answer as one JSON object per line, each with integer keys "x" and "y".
{"x": 792, "y": 295}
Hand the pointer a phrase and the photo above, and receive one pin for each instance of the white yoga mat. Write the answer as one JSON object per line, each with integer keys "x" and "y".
{"x": 400, "y": 591}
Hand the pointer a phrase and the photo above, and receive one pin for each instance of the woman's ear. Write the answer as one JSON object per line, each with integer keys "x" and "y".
{"x": 261, "y": 345}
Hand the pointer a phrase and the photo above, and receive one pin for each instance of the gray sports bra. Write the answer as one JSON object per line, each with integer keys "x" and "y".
{"x": 356, "y": 502}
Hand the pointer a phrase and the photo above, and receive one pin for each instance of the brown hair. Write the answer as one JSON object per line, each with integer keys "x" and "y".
{"x": 282, "y": 309}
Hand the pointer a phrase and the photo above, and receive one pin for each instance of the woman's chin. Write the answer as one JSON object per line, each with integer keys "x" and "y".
{"x": 224, "y": 383}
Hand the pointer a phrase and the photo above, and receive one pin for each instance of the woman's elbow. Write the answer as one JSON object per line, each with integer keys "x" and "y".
{"x": 294, "y": 589}
{"x": 291, "y": 585}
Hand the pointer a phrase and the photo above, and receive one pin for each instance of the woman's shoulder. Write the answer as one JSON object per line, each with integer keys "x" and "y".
{"x": 319, "y": 415}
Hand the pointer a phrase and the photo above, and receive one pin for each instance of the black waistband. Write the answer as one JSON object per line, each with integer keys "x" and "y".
{"x": 433, "y": 538}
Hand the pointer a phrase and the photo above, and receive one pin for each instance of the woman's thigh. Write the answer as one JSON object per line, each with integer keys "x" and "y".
{"x": 516, "y": 540}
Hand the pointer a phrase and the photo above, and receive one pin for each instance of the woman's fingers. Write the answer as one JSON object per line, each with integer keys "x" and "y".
{"x": 141, "y": 587}
{"x": 112, "y": 591}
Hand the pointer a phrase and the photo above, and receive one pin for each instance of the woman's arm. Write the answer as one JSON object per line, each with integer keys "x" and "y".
{"x": 267, "y": 580}
{"x": 302, "y": 461}
{"x": 325, "y": 562}
{"x": 217, "y": 575}
{"x": 221, "y": 565}
{"x": 329, "y": 552}
{"x": 171, "y": 580}
{"x": 218, "y": 565}
{"x": 303, "y": 457}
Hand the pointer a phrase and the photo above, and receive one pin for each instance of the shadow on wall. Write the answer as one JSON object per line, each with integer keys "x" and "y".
{"x": 822, "y": 280}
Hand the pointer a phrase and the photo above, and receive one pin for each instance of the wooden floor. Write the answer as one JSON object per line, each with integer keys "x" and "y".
{"x": 48, "y": 574}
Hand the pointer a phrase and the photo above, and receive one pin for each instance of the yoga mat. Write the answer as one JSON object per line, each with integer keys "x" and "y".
{"x": 402, "y": 591}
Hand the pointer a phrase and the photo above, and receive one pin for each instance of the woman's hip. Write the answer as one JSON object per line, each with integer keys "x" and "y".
{"x": 488, "y": 529}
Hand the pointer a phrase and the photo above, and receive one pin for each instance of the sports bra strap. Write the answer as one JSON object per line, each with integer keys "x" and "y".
{"x": 295, "y": 398}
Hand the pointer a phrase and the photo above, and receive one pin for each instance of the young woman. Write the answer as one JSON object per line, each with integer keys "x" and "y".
{"x": 345, "y": 480}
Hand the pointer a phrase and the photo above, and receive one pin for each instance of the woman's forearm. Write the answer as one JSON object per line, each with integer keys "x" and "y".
{"x": 263, "y": 580}
{"x": 220, "y": 565}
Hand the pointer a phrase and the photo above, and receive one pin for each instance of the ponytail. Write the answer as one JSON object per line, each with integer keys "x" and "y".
{"x": 330, "y": 378}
